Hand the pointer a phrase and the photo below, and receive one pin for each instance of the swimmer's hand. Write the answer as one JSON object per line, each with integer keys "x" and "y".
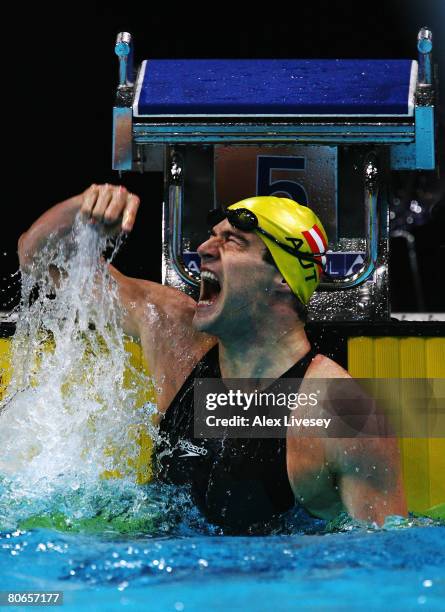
{"x": 111, "y": 207}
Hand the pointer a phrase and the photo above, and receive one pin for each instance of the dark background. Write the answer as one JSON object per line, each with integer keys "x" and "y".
{"x": 59, "y": 77}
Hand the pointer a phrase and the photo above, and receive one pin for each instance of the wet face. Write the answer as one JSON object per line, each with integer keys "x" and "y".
{"x": 236, "y": 282}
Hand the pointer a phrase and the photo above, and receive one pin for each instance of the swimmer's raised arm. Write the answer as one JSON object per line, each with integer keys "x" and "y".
{"x": 111, "y": 206}
{"x": 160, "y": 316}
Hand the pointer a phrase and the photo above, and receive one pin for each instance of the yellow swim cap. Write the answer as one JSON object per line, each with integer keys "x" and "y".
{"x": 295, "y": 226}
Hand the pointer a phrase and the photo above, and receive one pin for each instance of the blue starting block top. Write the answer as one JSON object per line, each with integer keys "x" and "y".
{"x": 275, "y": 88}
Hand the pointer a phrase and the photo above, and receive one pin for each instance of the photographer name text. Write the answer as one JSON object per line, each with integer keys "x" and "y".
{"x": 262, "y": 421}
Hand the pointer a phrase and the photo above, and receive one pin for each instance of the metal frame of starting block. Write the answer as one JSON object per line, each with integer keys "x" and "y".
{"x": 221, "y": 130}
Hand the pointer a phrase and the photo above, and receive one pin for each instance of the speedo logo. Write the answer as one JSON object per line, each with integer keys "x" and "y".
{"x": 192, "y": 450}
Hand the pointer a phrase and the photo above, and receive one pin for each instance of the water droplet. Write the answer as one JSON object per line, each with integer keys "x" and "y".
{"x": 122, "y": 586}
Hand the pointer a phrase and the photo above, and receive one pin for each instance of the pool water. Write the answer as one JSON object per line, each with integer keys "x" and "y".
{"x": 399, "y": 569}
{"x": 111, "y": 544}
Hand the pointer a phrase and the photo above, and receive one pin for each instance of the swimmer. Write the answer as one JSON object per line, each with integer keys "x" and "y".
{"x": 259, "y": 268}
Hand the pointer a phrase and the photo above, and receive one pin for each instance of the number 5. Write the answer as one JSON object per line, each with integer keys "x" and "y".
{"x": 267, "y": 187}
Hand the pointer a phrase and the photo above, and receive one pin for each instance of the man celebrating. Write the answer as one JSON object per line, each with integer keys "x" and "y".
{"x": 259, "y": 268}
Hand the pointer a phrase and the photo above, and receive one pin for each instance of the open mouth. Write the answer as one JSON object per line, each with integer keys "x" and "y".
{"x": 210, "y": 288}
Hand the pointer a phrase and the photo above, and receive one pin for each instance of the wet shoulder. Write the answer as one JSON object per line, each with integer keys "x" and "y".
{"x": 324, "y": 367}
{"x": 168, "y": 300}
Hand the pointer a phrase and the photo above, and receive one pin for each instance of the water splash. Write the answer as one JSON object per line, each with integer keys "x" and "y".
{"x": 71, "y": 415}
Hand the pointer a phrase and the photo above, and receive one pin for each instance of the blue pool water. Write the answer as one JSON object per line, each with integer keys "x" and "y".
{"x": 401, "y": 569}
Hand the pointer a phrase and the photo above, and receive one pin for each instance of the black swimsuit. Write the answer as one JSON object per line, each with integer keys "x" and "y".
{"x": 236, "y": 483}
